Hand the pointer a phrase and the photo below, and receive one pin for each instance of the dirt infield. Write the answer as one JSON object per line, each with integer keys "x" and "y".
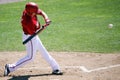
{"x": 75, "y": 65}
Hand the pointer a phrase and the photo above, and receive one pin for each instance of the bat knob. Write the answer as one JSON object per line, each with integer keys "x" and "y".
{"x": 43, "y": 26}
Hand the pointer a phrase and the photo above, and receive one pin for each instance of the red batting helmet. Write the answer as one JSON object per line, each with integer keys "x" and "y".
{"x": 31, "y": 7}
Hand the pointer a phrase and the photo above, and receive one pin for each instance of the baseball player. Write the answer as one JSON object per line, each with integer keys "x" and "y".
{"x": 30, "y": 25}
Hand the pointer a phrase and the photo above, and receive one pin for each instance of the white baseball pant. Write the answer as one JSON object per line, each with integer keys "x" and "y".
{"x": 31, "y": 47}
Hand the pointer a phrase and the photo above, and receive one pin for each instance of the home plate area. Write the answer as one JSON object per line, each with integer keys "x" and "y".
{"x": 75, "y": 66}
{"x": 82, "y": 68}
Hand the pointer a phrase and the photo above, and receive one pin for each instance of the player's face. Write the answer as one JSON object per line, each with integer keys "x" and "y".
{"x": 31, "y": 14}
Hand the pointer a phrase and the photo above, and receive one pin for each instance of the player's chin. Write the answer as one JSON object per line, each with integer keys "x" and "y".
{"x": 31, "y": 14}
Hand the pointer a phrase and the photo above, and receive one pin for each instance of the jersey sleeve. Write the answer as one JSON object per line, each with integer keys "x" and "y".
{"x": 39, "y": 12}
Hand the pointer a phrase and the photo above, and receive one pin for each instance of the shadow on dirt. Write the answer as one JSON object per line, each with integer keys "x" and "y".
{"x": 26, "y": 77}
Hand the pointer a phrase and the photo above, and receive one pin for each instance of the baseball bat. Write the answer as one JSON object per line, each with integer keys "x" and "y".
{"x": 30, "y": 37}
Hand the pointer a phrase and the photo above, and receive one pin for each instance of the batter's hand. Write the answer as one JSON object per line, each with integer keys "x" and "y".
{"x": 47, "y": 22}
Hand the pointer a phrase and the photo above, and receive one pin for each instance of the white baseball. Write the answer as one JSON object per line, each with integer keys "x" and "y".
{"x": 110, "y": 25}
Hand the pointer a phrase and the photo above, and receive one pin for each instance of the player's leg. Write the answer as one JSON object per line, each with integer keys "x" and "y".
{"x": 48, "y": 58}
{"x": 31, "y": 51}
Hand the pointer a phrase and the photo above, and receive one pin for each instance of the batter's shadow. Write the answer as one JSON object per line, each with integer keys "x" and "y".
{"x": 26, "y": 77}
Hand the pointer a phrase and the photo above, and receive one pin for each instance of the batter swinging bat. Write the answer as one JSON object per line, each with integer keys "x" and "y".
{"x": 29, "y": 38}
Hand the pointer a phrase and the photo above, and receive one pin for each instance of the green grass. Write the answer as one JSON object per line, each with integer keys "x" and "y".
{"x": 77, "y": 25}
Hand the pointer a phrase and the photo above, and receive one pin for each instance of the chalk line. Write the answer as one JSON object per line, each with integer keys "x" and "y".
{"x": 83, "y": 68}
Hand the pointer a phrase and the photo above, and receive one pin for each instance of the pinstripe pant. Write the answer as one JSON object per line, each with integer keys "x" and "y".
{"x": 31, "y": 47}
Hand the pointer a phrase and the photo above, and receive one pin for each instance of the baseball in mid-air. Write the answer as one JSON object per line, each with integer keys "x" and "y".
{"x": 110, "y": 26}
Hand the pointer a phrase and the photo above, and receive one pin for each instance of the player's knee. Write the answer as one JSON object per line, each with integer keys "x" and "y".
{"x": 30, "y": 58}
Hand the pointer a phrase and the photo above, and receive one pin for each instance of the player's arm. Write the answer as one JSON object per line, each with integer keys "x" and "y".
{"x": 44, "y": 15}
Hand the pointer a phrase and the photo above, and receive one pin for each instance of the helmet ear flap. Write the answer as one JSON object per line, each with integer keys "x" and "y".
{"x": 31, "y": 7}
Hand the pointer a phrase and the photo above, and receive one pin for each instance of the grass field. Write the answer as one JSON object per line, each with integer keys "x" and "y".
{"x": 77, "y": 25}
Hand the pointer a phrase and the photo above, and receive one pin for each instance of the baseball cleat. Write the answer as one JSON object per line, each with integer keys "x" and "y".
{"x": 57, "y": 72}
{"x": 7, "y": 71}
